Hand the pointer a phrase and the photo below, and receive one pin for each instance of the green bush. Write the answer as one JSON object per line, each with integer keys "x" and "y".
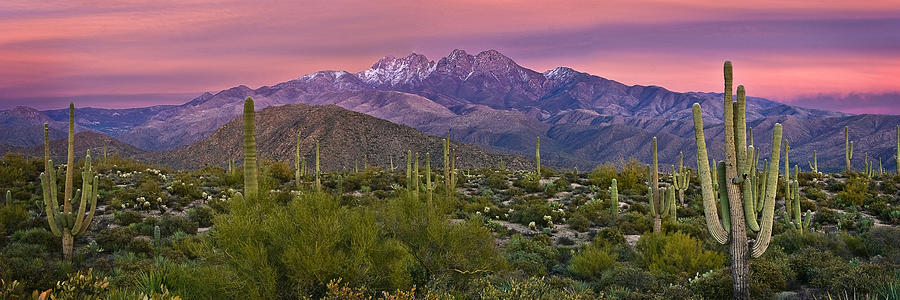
{"x": 592, "y": 261}
{"x": 128, "y": 217}
{"x": 533, "y": 256}
{"x": 628, "y": 277}
{"x": 676, "y": 255}
{"x": 38, "y": 236}
{"x": 202, "y": 215}
{"x": 497, "y": 181}
{"x": 170, "y": 224}
{"x": 116, "y": 238}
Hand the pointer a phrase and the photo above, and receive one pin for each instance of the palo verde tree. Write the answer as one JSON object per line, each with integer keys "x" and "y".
{"x": 736, "y": 187}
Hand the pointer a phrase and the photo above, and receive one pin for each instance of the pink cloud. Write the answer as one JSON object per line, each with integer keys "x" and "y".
{"x": 781, "y": 50}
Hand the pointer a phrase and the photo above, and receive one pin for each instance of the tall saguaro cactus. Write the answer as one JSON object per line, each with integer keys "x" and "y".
{"x": 897, "y": 156}
{"x": 428, "y": 187}
{"x": 613, "y": 199}
{"x": 736, "y": 184}
{"x": 655, "y": 200}
{"x": 297, "y": 166}
{"x": 318, "y": 170}
{"x": 848, "y": 149}
{"x": 251, "y": 183}
{"x": 537, "y": 155}
{"x": 447, "y": 188}
{"x": 65, "y": 223}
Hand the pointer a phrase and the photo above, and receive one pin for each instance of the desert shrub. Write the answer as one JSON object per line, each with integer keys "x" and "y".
{"x": 32, "y": 269}
{"x": 497, "y": 181}
{"x": 530, "y": 210}
{"x": 530, "y": 288}
{"x": 530, "y": 184}
{"x": 82, "y": 285}
{"x": 16, "y": 170}
{"x": 12, "y": 217}
{"x": 169, "y": 224}
{"x": 38, "y": 236}
{"x": 148, "y": 188}
{"x": 202, "y": 215}
{"x": 116, "y": 238}
{"x": 295, "y": 250}
{"x": 128, "y": 217}
{"x": 634, "y": 223}
{"x": 854, "y": 191}
{"x": 592, "y": 261}
{"x": 278, "y": 170}
{"x": 603, "y": 175}
{"x": 676, "y": 255}
{"x": 531, "y": 255}
{"x": 713, "y": 284}
{"x": 842, "y": 244}
{"x": 627, "y": 277}
{"x": 883, "y": 241}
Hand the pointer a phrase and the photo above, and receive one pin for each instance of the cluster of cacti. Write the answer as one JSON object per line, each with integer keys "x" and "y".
{"x": 613, "y": 199}
{"x": 868, "y": 167}
{"x": 792, "y": 203}
{"x": 814, "y": 164}
{"x": 65, "y": 223}
{"x": 848, "y": 148}
{"x": 681, "y": 179}
{"x": 736, "y": 184}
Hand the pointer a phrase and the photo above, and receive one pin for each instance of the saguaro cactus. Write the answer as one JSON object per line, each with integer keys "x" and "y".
{"x": 8, "y": 197}
{"x": 614, "y": 199}
{"x": 428, "y": 187}
{"x": 537, "y": 155}
{"x": 409, "y": 181}
{"x": 251, "y": 183}
{"x": 735, "y": 184}
{"x": 787, "y": 177}
{"x": 848, "y": 149}
{"x": 897, "y": 156}
{"x": 65, "y": 223}
{"x": 447, "y": 189}
{"x": 297, "y": 166}
{"x": 318, "y": 170}
{"x": 681, "y": 179}
{"x": 795, "y": 200}
{"x": 655, "y": 199}
{"x": 416, "y": 179}
{"x": 814, "y": 164}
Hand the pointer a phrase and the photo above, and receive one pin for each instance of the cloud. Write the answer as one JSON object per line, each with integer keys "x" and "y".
{"x": 780, "y": 50}
{"x": 855, "y": 103}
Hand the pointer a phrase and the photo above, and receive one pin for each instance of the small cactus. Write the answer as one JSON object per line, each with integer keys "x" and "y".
{"x": 848, "y": 149}
{"x": 613, "y": 199}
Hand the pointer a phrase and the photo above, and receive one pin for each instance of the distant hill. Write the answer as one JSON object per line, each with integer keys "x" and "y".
{"x": 345, "y": 138}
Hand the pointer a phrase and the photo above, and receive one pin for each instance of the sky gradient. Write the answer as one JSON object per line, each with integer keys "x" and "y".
{"x": 834, "y": 55}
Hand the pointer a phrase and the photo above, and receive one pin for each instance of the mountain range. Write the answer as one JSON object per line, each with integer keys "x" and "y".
{"x": 489, "y": 100}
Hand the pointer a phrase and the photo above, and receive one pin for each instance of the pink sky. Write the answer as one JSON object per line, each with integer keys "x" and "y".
{"x": 781, "y": 50}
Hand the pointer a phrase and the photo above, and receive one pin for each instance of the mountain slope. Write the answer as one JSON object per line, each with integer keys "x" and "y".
{"x": 345, "y": 138}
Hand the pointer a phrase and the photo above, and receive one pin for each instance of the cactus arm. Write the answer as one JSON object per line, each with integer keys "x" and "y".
{"x": 428, "y": 175}
{"x": 796, "y": 204}
{"x": 90, "y": 216}
{"x": 765, "y": 233}
{"x": 747, "y": 193}
{"x": 654, "y": 175}
{"x": 763, "y": 185}
{"x": 706, "y": 187}
{"x": 86, "y": 193}
{"x": 724, "y": 204}
{"x": 70, "y": 161}
{"x": 670, "y": 196}
{"x": 740, "y": 133}
{"x": 50, "y": 205}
